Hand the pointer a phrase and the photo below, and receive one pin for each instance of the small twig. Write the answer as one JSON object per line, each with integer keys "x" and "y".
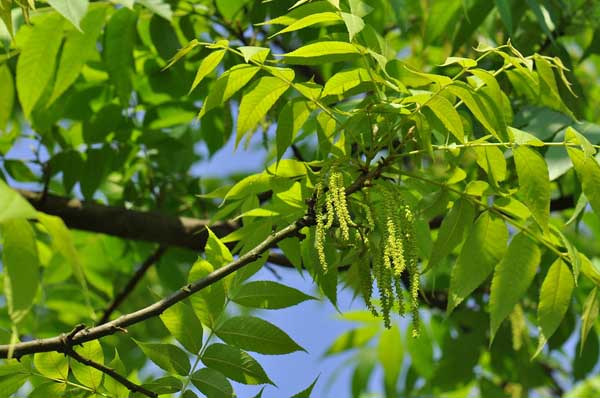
{"x": 131, "y": 386}
{"x": 133, "y": 281}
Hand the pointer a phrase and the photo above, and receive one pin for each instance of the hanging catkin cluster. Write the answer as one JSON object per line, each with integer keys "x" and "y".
{"x": 332, "y": 205}
{"x": 387, "y": 234}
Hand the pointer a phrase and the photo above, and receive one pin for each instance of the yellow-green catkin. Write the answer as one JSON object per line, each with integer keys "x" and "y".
{"x": 409, "y": 238}
{"x": 340, "y": 204}
{"x": 320, "y": 230}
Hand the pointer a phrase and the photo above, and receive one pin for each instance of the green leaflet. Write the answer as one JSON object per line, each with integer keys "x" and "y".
{"x": 323, "y": 51}
{"x": 207, "y": 65}
{"x": 482, "y": 108}
{"x": 52, "y": 364}
{"x": 268, "y": 295}
{"x": 88, "y": 376}
{"x": 309, "y": 20}
{"x": 183, "y": 324}
{"x": 13, "y": 205}
{"x": 352, "y": 339}
{"x": 451, "y": 232}
{"x": 443, "y": 110}
{"x": 365, "y": 364}
{"x": 421, "y": 353}
{"x": 492, "y": 161}
{"x": 78, "y": 48}
{"x": 73, "y": 10}
{"x": 512, "y": 277}
{"x": 254, "y": 53}
{"x": 37, "y": 60}
{"x": 257, "y": 335}
{"x": 119, "y": 41}
{"x": 6, "y": 15}
{"x": 217, "y": 254}
{"x": 21, "y": 267}
{"x": 227, "y": 85}
{"x": 354, "y": 24}
{"x": 439, "y": 18}
{"x": 590, "y": 315}
{"x": 586, "y": 167}
{"x": 343, "y": 82}
{"x": 235, "y": 364}
{"x": 292, "y": 117}
{"x": 257, "y": 101}
{"x": 550, "y": 95}
{"x": 555, "y": 297}
{"x": 169, "y": 357}
{"x": 50, "y": 389}
{"x": 391, "y": 354}
{"x": 210, "y": 301}
{"x": 484, "y": 247}
{"x": 534, "y": 183}
{"x": 7, "y": 99}
{"x": 504, "y": 9}
{"x": 212, "y": 383}
{"x": 163, "y": 385}
{"x": 307, "y": 391}
{"x": 112, "y": 386}
{"x": 159, "y": 7}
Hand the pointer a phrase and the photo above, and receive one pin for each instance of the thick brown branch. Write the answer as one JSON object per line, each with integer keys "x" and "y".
{"x": 189, "y": 233}
{"x": 131, "y": 284}
{"x": 131, "y": 386}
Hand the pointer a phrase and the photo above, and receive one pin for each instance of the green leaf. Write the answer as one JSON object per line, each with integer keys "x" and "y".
{"x": 13, "y": 205}
{"x": 216, "y": 252}
{"x": 212, "y": 383}
{"x": 354, "y": 24}
{"x": 391, "y": 354}
{"x": 235, "y": 364}
{"x": 257, "y": 335}
{"x": 21, "y": 267}
{"x": 320, "y": 52}
{"x": 452, "y": 231}
{"x": 119, "y": 41}
{"x": 443, "y": 110}
{"x": 352, "y": 339}
{"x": 297, "y": 13}
{"x": 62, "y": 242}
{"x": 534, "y": 183}
{"x": 555, "y": 297}
{"x": 491, "y": 160}
{"x": 113, "y": 387}
{"x": 88, "y": 376}
{"x": 484, "y": 247}
{"x": 307, "y": 391}
{"x": 13, "y": 375}
{"x": 589, "y": 316}
{"x": 586, "y": 167}
{"x": 6, "y": 16}
{"x": 548, "y": 88}
{"x": 343, "y": 82}
{"x": 254, "y": 53}
{"x": 50, "y": 389}
{"x": 182, "y": 52}
{"x": 268, "y": 295}
{"x": 159, "y": 7}
{"x": 292, "y": 117}
{"x": 163, "y": 385}
{"x": 210, "y": 301}
{"x": 480, "y": 108}
{"x": 504, "y": 9}
{"x": 78, "y": 48}
{"x": 208, "y": 64}
{"x": 227, "y": 85}
{"x": 37, "y": 60}
{"x": 7, "y": 99}
{"x": 52, "y": 364}
{"x": 257, "y": 101}
{"x": 167, "y": 356}
{"x": 183, "y": 324}
{"x": 512, "y": 277}
{"x": 440, "y": 17}
{"x": 73, "y": 10}
{"x": 365, "y": 364}
{"x": 309, "y": 20}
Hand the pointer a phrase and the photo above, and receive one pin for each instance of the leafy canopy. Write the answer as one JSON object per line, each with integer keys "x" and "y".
{"x": 437, "y": 159}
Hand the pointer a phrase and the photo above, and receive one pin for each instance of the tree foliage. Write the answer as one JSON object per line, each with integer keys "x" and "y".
{"x": 438, "y": 159}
